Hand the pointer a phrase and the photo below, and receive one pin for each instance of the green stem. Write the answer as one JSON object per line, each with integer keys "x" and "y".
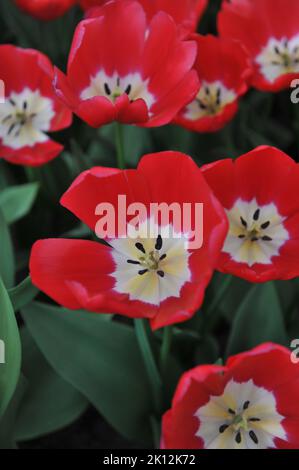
{"x": 210, "y": 313}
{"x": 30, "y": 174}
{"x": 165, "y": 348}
{"x": 155, "y": 431}
{"x": 119, "y": 138}
{"x": 149, "y": 362}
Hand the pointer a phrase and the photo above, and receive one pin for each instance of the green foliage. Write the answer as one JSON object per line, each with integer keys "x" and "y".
{"x": 10, "y": 370}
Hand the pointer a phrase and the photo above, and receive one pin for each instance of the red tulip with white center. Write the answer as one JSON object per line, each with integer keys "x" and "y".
{"x": 259, "y": 193}
{"x": 243, "y": 405}
{"x": 269, "y": 34}
{"x": 186, "y": 13}
{"x": 45, "y": 9}
{"x": 224, "y": 71}
{"x": 123, "y": 78}
{"x": 156, "y": 275}
{"x": 31, "y": 108}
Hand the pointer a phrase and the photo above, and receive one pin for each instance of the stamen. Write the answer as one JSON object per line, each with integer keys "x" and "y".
{"x": 253, "y": 437}
{"x": 265, "y": 225}
{"x": 232, "y": 412}
{"x": 12, "y": 102}
{"x": 256, "y": 215}
{"x": 202, "y": 105}
{"x": 107, "y": 89}
{"x": 161, "y": 273}
{"x": 131, "y": 261}
{"x": 162, "y": 257}
{"x": 267, "y": 239}
{"x": 254, "y": 239}
{"x": 118, "y": 81}
{"x": 241, "y": 236}
{"x": 7, "y": 118}
{"x": 223, "y": 428}
{"x": 159, "y": 243}
{"x": 207, "y": 90}
{"x": 218, "y": 100}
{"x": 11, "y": 128}
{"x": 276, "y": 50}
{"x": 140, "y": 247}
{"x": 25, "y": 105}
{"x": 254, "y": 420}
{"x": 128, "y": 89}
{"x": 246, "y": 405}
{"x": 244, "y": 223}
{"x": 238, "y": 438}
{"x": 143, "y": 271}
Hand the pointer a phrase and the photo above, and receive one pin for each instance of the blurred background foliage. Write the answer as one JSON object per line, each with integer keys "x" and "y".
{"x": 74, "y": 367}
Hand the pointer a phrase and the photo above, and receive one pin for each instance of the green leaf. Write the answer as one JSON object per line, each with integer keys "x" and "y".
{"x": 22, "y": 294}
{"x": 259, "y": 319}
{"x": 7, "y": 262}
{"x": 17, "y": 201}
{"x": 7, "y": 422}
{"x": 49, "y": 402}
{"x": 100, "y": 358}
{"x": 10, "y": 342}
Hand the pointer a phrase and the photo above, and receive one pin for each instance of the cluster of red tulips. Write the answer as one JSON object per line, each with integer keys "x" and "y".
{"x": 141, "y": 63}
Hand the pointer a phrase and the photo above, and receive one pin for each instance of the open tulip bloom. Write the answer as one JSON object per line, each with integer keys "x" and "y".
{"x": 243, "y": 405}
{"x": 45, "y": 9}
{"x": 31, "y": 108}
{"x": 259, "y": 193}
{"x": 224, "y": 69}
{"x": 186, "y": 13}
{"x": 115, "y": 74}
{"x": 158, "y": 277}
{"x": 270, "y": 32}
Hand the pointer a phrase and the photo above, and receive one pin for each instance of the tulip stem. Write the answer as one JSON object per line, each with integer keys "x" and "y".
{"x": 165, "y": 348}
{"x": 210, "y": 314}
{"x": 120, "y": 148}
{"x": 154, "y": 378}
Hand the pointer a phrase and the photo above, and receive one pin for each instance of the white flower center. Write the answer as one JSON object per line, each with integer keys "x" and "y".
{"x": 151, "y": 269}
{"x": 243, "y": 417}
{"x": 24, "y": 117}
{"x": 211, "y": 100}
{"x": 256, "y": 233}
{"x": 279, "y": 57}
{"x": 114, "y": 86}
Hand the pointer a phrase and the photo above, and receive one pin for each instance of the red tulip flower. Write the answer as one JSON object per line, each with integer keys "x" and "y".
{"x": 87, "y": 4}
{"x": 259, "y": 192}
{"x": 243, "y": 405}
{"x": 224, "y": 70}
{"x": 150, "y": 276}
{"x": 138, "y": 72}
{"x": 186, "y": 13}
{"x": 45, "y": 9}
{"x": 270, "y": 35}
{"x": 31, "y": 108}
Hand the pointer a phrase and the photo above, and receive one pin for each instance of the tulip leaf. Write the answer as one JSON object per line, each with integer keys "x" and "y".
{"x": 10, "y": 349}
{"x": 259, "y": 319}
{"x": 17, "y": 201}
{"x": 7, "y": 263}
{"x": 49, "y": 403}
{"x": 8, "y": 420}
{"x": 22, "y": 294}
{"x": 100, "y": 358}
